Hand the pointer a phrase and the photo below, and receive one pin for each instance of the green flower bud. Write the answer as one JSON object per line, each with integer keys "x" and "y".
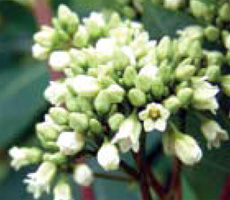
{"x": 213, "y": 72}
{"x": 95, "y": 126}
{"x": 71, "y": 102}
{"x": 102, "y": 103}
{"x": 78, "y": 58}
{"x": 185, "y": 95}
{"x": 137, "y": 97}
{"x": 115, "y": 121}
{"x": 46, "y": 37}
{"x": 225, "y": 84}
{"x": 165, "y": 72}
{"x": 68, "y": 19}
{"x": 185, "y": 72}
{"x": 81, "y": 37}
{"x": 227, "y": 57}
{"x": 184, "y": 46}
{"x": 79, "y": 122}
{"x": 120, "y": 60}
{"x": 226, "y": 39}
{"x": 201, "y": 9}
{"x": 224, "y": 11}
{"x": 130, "y": 75}
{"x": 59, "y": 115}
{"x": 212, "y": 33}
{"x": 172, "y": 104}
{"x": 56, "y": 158}
{"x": 95, "y": 24}
{"x": 115, "y": 93}
{"x": 193, "y": 32}
{"x": 129, "y": 12}
{"x": 84, "y": 105}
{"x": 48, "y": 131}
{"x": 164, "y": 48}
{"x": 195, "y": 50}
{"x": 173, "y": 5}
{"x": 158, "y": 87}
{"x": 214, "y": 58}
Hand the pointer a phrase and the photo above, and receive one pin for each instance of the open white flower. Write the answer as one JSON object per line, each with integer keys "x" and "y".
{"x": 106, "y": 47}
{"x": 24, "y": 156}
{"x": 187, "y": 149}
{"x": 62, "y": 191}
{"x": 84, "y": 85}
{"x": 70, "y": 142}
{"x": 155, "y": 117}
{"x": 40, "y": 181}
{"x": 39, "y": 52}
{"x": 128, "y": 135}
{"x": 83, "y": 175}
{"x": 213, "y": 133}
{"x": 59, "y": 60}
{"x": 108, "y": 157}
{"x": 204, "y": 95}
{"x": 55, "y": 93}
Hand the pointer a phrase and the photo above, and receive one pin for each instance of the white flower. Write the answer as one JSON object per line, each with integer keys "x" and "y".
{"x": 59, "y": 60}
{"x": 149, "y": 71}
{"x": 155, "y": 117}
{"x": 46, "y": 36}
{"x": 108, "y": 157}
{"x": 128, "y": 135}
{"x": 41, "y": 180}
{"x": 55, "y": 93}
{"x": 122, "y": 34}
{"x": 130, "y": 54}
{"x": 70, "y": 143}
{"x": 24, "y": 156}
{"x": 213, "y": 133}
{"x": 85, "y": 85}
{"x": 187, "y": 149}
{"x": 83, "y": 175}
{"x": 204, "y": 96}
{"x": 39, "y": 52}
{"x": 62, "y": 191}
{"x": 106, "y": 47}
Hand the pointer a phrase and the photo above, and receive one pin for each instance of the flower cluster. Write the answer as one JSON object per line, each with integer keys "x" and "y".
{"x": 118, "y": 84}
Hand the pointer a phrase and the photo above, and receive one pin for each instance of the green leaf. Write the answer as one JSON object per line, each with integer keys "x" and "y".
{"x": 160, "y": 21}
{"x": 21, "y": 99}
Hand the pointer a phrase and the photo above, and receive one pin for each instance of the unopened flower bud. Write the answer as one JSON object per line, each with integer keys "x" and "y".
{"x": 47, "y": 130}
{"x": 59, "y": 60}
{"x": 56, "y": 158}
{"x": 40, "y": 52}
{"x": 214, "y": 58}
{"x": 173, "y": 5}
{"x": 164, "y": 48}
{"x": 55, "y": 93}
{"x": 211, "y": 33}
{"x": 137, "y": 97}
{"x": 172, "y": 104}
{"x": 115, "y": 93}
{"x": 158, "y": 87}
{"x": 108, "y": 157}
{"x": 62, "y": 191}
{"x": 81, "y": 37}
{"x": 185, "y": 72}
{"x": 195, "y": 51}
{"x": 187, "y": 149}
{"x": 129, "y": 76}
{"x": 85, "y": 85}
{"x": 165, "y": 72}
{"x": 185, "y": 95}
{"x": 115, "y": 121}
{"x": 102, "y": 102}
{"x": 24, "y": 156}
{"x": 225, "y": 84}
{"x": 224, "y": 11}
{"x": 95, "y": 24}
{"x": 83, "y": 175}
{"x": 78, "y": 58}
{"x": 46, "y": 37}
{"x": 41, "y": 180}
{"x": 70, "y": 143}
{"x": 59, "y": 115}
{"x": 213, "y": 73}
{"x": 68, "y": 19}
{"x": 95, "y": 126}
{"x": 71, "y": 102}
{"x": 79, "y": 122}
{"x": 145, "y": 77}
{"x": 168, "y": 144}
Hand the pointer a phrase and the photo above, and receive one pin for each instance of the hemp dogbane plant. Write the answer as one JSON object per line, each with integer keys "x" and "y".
{"x": 119, "y": 87}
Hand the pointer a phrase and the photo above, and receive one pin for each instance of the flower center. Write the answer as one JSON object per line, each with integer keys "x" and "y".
{"x": 154, "y": 113}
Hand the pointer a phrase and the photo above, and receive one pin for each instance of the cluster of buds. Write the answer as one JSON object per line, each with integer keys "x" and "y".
{"x": 118, "y": 85}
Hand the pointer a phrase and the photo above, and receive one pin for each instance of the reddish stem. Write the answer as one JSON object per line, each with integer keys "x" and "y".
{"x": 225, "y": 193}
{"x": 87, "y": 193}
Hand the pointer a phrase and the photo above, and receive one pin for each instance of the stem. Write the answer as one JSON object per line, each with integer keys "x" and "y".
{"x": 129, "y": 170}
{"x": 113, "y": 177}
{"x": 140, "y": 161}
{"x": 225, "y": 192}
